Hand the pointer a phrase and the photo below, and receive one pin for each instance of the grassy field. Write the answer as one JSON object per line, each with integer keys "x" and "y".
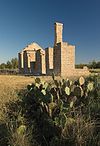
{"x": 10, "y": 85}
{"x": 9, "y": 88}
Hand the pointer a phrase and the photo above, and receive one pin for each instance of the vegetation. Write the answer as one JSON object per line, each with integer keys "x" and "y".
{"x": 92, "y": 65}
{"x": 57, "y": 113}
{"x": 13, "y": 64}
{"x": 95, "y": 71}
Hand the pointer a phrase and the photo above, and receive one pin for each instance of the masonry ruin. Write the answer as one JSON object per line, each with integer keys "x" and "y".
{"x": 59, "y": 59}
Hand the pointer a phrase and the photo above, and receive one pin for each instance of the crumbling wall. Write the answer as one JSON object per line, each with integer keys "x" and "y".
{"x": 20, "y": 62}
{"x": 40, "y": 63}
{"x": 58, "y": 32}
{"x": 60, "y": 59}
{"x": 67, "y": 58}
{"x": 57, "y": 59}
{"x": 49, "y": 60}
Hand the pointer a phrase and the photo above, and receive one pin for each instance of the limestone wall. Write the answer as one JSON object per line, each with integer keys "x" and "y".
{"x": 49, "y": 60}
{"x": 67, "y": 58}
{"x": 60, "y": 59}
{"x": 33, "y": 46}
{"x": 26, "y": 62}
{"x": 20, "y": 62}
{"x": 40, "y": 63}
{"x": 32, "y": 67}
{"x": 64, "y": 58}
{"x": 81, "y": 72}
{"x": 75, "y": 73}
{"x": 58, "y": 33}
{"x": 57, "y": 59}
{"x": 43, "y": 62}
{"x": 38, "y": 67}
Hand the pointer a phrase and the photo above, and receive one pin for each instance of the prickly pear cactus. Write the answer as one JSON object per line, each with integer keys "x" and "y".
{"x": 90, "y": 86}
{"x": 81, "y": 80}
{"x": 45, "y": 85}
{"x": 67, "y": 90}
{"x": 52, "y": 105}
{"x": 71, "y": 104}
{"x": 43, "y": 91}
{"x": 29, "y": 87}
{"x": 68, "y": 83}
{"x": 78, "y": 92}
{"x": 37, "y": 80}
{"x": 21, "y": 129}
{"x": 53, "y": 76}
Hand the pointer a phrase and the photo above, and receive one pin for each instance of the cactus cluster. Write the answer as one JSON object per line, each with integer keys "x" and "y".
{"x": 60, "y": 110}
{"x": 63, "y": 94}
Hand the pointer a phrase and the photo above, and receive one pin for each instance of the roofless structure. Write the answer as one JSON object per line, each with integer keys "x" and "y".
{"x": 60, "y": 59}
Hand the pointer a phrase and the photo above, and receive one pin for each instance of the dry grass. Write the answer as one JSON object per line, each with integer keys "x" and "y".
{"x": 10, "y": 85}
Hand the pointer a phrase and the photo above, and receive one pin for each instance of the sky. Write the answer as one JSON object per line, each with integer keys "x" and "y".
{"x": 25, "y": 21}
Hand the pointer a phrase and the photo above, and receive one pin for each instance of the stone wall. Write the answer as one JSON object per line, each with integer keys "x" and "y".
{"x": 60, "y": 59}
{"x": 75, "y": 73}
{"x": 81, "y": 72}
{"x": 49, "y": 60}
{"x": 40, "y": 63}
{"x": 43, "y": 62}
{"x": 31, "y": 58}
{"x": 38, "y": 67}
{"x": 64, "y": 58}
{"x": 20, "y": 62}
{"x": 58, "y": 33}
{"x": 57, "y": 59}
{"x": 26, "y": 62}
{"x": 67, "y": 58}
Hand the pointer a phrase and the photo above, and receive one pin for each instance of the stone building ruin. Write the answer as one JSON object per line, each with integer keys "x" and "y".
{"x": 59, "y": 59}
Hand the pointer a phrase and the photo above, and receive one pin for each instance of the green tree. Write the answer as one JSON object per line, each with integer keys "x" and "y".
{"x": 9, "y": 65}
{"x": 14, "y": 62}
{"x": 98, "y": 64}
{"x": 2, "y": 66}
{"x": 93, "y": 64}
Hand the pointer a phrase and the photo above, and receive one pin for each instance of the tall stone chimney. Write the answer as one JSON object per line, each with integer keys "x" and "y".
{"x": 58, "y": 32}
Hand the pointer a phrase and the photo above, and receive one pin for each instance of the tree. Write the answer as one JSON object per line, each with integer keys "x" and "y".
{"x": 9, "y": 65}
{"x": 98, "y": 64}
{"x": 93, "y": 64}
{"x": 2, "y": 66}
{"x": 14, "y": 62}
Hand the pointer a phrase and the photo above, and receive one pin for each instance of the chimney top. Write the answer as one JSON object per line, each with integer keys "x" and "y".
{"x": 58, "y": 23}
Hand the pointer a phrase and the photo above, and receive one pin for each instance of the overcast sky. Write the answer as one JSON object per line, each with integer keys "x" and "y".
{"x": 25, "y": 21}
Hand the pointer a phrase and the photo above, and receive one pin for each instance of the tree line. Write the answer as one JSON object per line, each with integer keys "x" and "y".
{"x": 91, "y": 65}
{"x": 12, "y": 64}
